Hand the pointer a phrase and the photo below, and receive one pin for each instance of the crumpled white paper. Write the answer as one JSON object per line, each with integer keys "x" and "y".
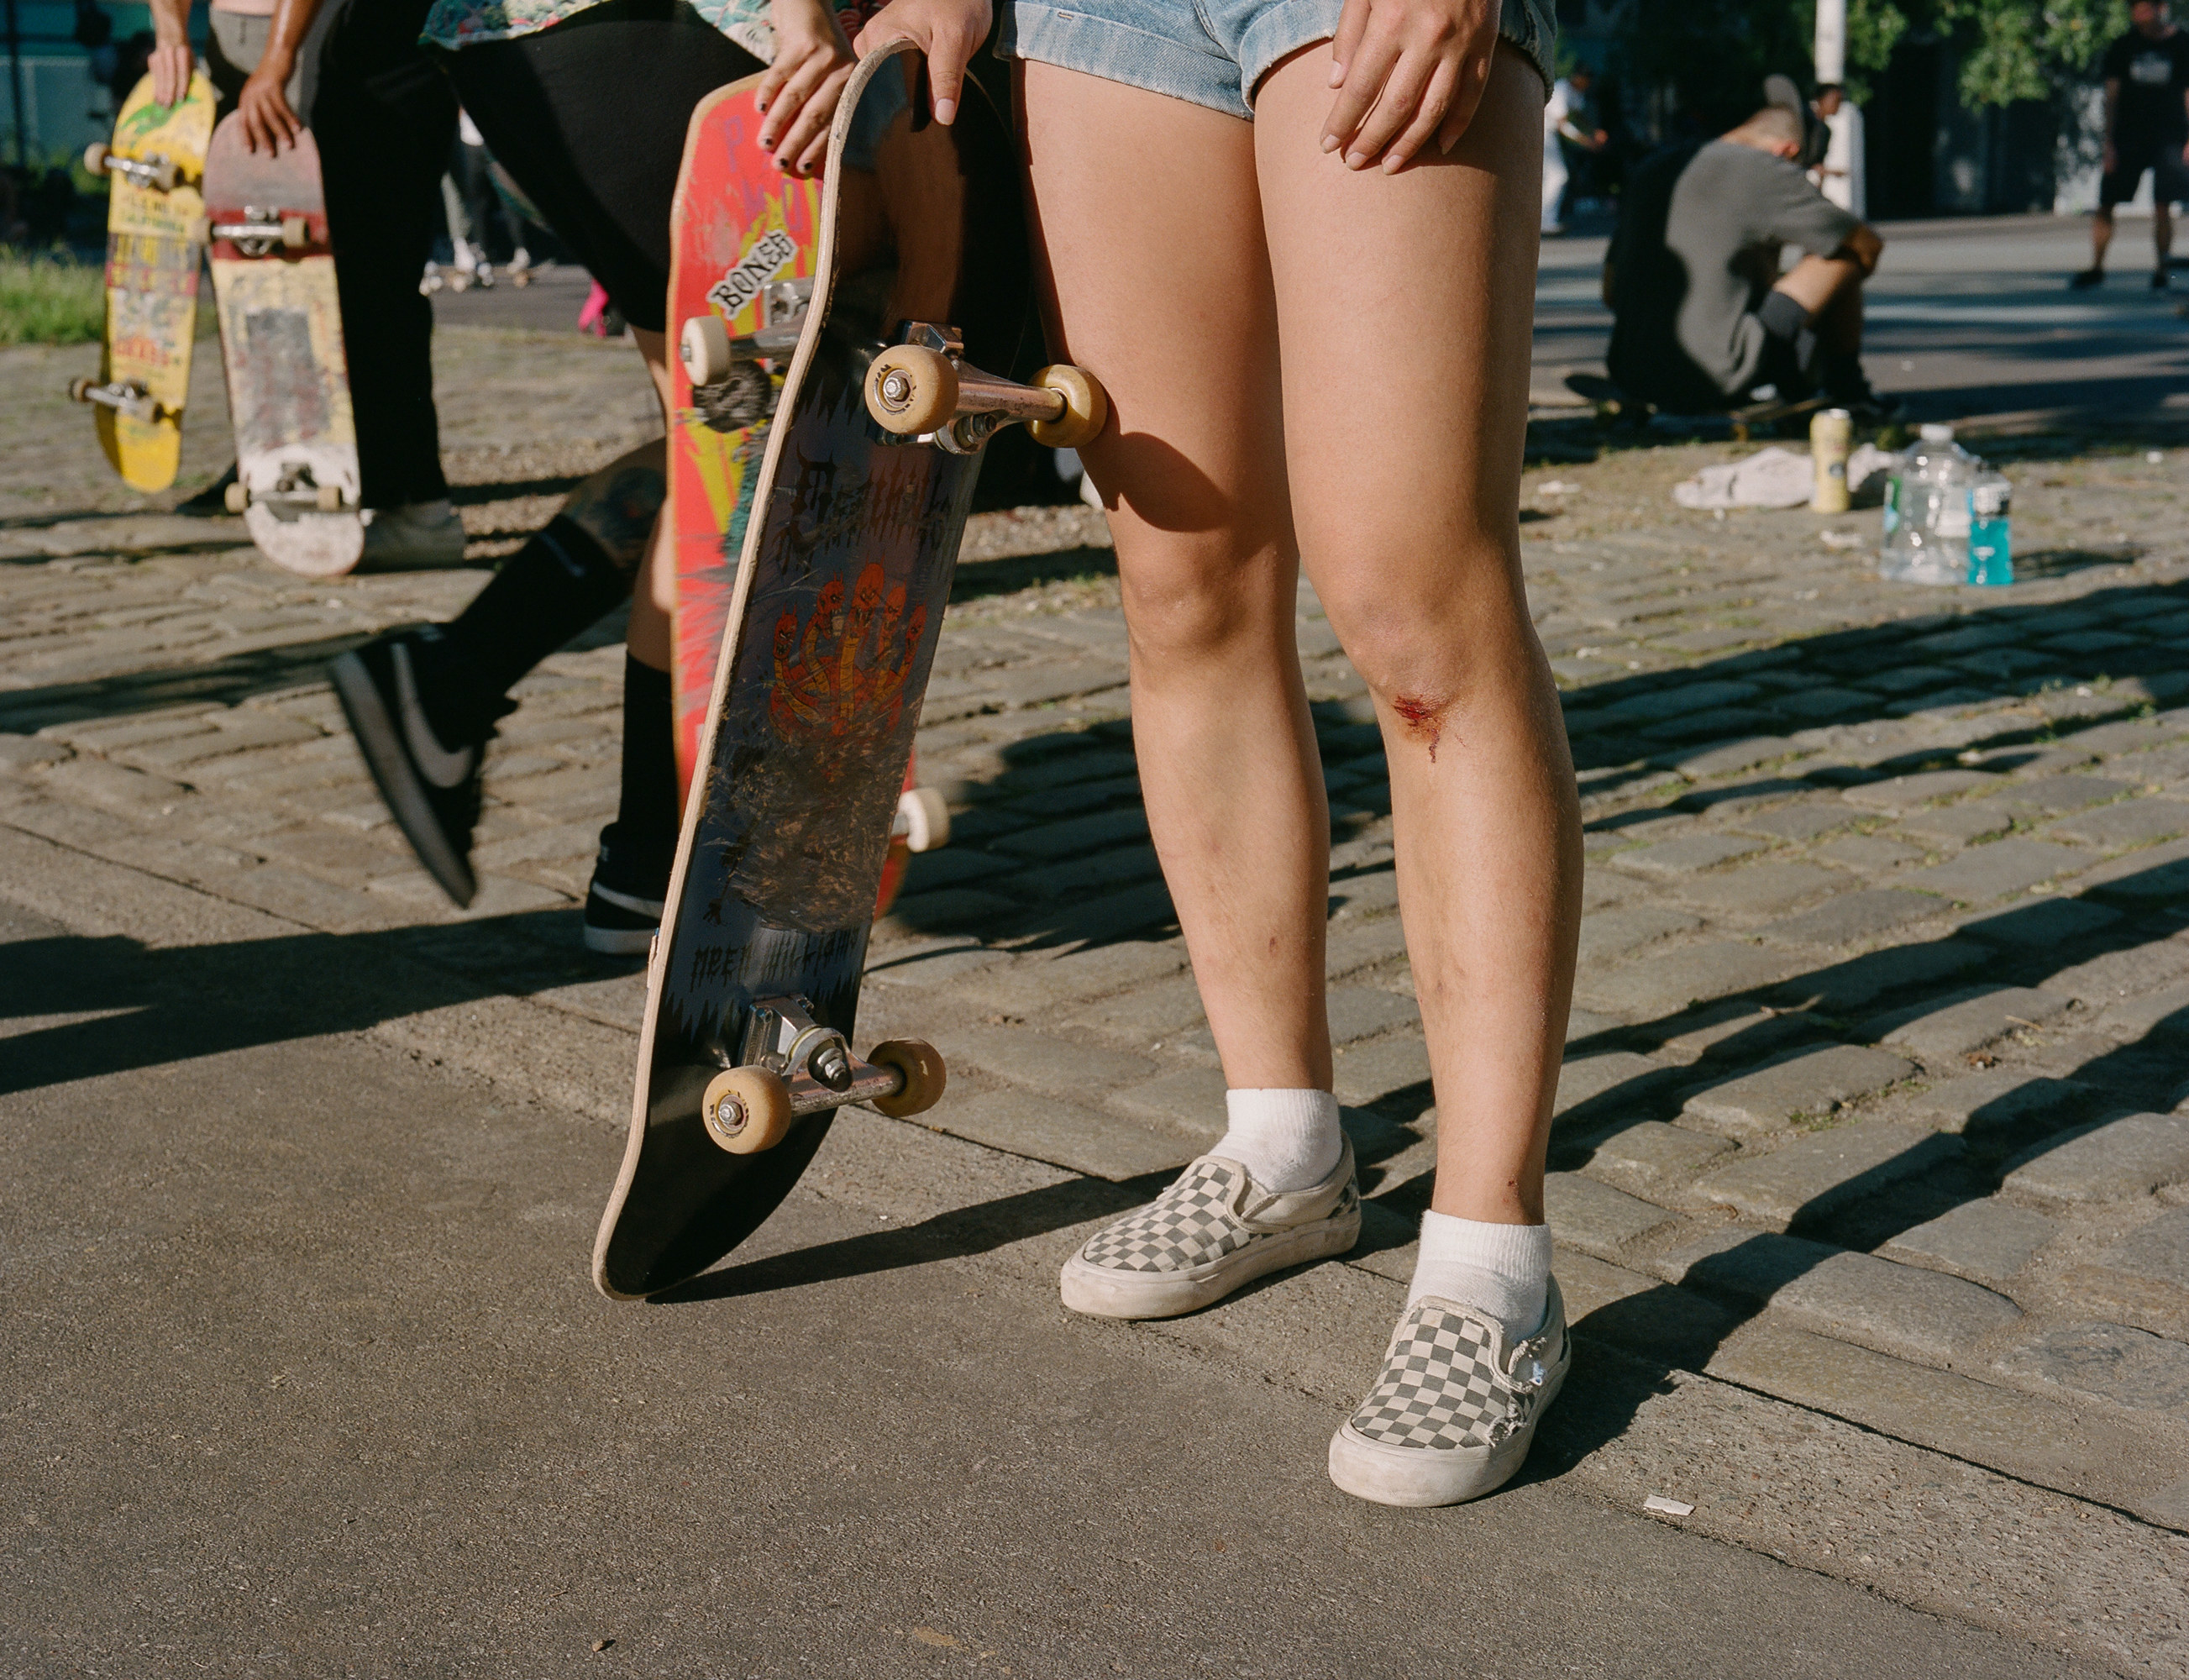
{"x": 1777, "y": 477}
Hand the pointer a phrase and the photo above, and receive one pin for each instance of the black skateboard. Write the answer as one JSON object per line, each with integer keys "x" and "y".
{"x": 871, "y": 450}
{"x": 1746, "y": 419}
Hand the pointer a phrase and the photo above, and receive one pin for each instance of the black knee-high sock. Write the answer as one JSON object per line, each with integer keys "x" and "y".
{"x": 648, "y": 815}
{"x": 560, "y": 583}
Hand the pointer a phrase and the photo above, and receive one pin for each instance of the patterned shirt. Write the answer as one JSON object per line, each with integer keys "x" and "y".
{"x": 457, "y": 24}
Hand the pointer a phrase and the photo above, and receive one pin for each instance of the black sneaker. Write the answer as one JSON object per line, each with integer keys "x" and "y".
{"x": 624, "y": 904}
{"x": 2158, "y": 278}
{"x": 432, "y": 789}
{"x": 2086, "y": 279}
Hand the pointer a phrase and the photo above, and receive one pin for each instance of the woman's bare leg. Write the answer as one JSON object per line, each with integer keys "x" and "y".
{"x": 1157, "y": 279}
{"x": 1405, "y": 305}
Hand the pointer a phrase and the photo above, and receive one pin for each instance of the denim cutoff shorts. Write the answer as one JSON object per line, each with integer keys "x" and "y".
{"x": 1212, "y": 53}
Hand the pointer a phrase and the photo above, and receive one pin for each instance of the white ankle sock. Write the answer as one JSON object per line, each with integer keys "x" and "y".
{"x": 1503, "y": 1270}
{"x": 1286, "y": 1140}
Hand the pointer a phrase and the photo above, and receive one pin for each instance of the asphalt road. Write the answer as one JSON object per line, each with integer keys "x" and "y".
{"x": 301, "y": 1377}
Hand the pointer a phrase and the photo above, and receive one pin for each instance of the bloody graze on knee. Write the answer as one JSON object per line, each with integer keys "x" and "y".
{"x": 1423, "y": 718}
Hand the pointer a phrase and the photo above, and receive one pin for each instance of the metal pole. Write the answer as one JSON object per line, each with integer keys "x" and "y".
{"x": 15, "y": 82}
{"x": 1831, "y": 41}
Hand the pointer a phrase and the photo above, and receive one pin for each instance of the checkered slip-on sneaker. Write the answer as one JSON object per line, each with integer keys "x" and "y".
{"x": 1453, "y": 1414}
{"x": 1210, "y": 1232}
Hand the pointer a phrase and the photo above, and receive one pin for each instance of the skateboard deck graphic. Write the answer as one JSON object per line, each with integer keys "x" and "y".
{"x": 155, "y": 237}
{"x": 842, "y": 574}
{"x": 282, "y": 344}
{"x": 745, "y": 238}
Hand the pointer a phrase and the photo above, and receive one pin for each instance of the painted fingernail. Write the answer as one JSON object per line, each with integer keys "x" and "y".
{"x": 761, "y": 106}
{"x": 1330, "y": 143}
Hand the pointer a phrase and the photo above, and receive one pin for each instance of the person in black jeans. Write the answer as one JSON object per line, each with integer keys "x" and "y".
{"x": 2147, "y": 78}
{"x": 586, "y": 106}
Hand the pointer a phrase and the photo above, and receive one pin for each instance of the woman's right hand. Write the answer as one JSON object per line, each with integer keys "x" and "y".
{"x": 798, "y": 95}
{"x": 949, "y": 31}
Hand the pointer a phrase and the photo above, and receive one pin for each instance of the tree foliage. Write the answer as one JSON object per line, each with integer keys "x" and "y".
{"x": 2012, "y": 49}
{"x": 1713, "y": 54}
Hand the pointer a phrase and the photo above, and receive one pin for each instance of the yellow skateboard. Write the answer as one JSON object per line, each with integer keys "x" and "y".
{"x": 155, "y": 236}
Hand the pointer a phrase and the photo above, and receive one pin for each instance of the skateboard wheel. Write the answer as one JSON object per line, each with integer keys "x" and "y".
{"x": 926, "y": 818}
{"x": 329, "y": 499}
{"x": 79, "y": 390}
{"x": 236, "y": 497}
{"x": 924, "y": 1076}
{"x": 746, "y": 1109}
{"x": 95, "y": 156}
{"x": 912, "y": 390}
{"x": 1086, "y": 407}
{"x": 295, "y": 232}
{"x": 165, "y": 175}
{"x": 703, "y": 347}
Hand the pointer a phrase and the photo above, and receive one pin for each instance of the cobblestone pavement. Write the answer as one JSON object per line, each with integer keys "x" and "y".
{"x": 1875, "y": 1100}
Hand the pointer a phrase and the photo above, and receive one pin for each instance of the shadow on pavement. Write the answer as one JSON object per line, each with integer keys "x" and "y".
{"x": 1639, "y": 733}
{"x": 947, "y": 1237}
{"x": 156, "y": 1004}
{"x": 1634, "y": 733}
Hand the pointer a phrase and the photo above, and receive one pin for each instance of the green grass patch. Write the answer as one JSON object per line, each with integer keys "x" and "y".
{"x": 46, "y": 302}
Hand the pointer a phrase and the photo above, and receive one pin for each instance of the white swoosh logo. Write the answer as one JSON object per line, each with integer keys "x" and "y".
{"x": 624, "y": 901}
{"x": 442, "y": 767}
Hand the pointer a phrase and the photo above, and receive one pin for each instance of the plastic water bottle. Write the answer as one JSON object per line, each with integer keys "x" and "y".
{"x": 1926, "y": 511}
{"x": 1991, "y": 551}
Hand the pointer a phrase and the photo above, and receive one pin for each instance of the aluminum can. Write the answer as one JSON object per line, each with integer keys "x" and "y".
{"x": 1831, "y": 440}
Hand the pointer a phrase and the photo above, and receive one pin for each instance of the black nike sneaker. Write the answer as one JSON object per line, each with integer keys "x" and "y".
{"x": 431, "y": 788}
{"x": 625, "y": 901}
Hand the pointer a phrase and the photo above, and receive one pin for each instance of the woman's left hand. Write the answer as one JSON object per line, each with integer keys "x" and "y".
{"x": 1407, "y": 72}
{"x": 798, "y": 95}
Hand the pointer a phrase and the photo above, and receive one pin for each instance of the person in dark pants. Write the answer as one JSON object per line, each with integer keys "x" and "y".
{"x": 2147, "y": 78}
{"x": 586, "y": 104}
{"x": 1702, "y": 320}
{"x": 385, "y": 120}
{"x": 493, "y": 236}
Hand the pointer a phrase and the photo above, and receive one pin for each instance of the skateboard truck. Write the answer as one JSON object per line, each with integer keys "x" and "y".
{"x": 261, "y": 230}
{"x": 926, "y": 388}
{"x": 793, "y": 1065}
{"x": 123, "y": 396}
{"x": 729, "y": 386}
{"x": 157, "y": 173}
{"x": 296, "y": 489}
